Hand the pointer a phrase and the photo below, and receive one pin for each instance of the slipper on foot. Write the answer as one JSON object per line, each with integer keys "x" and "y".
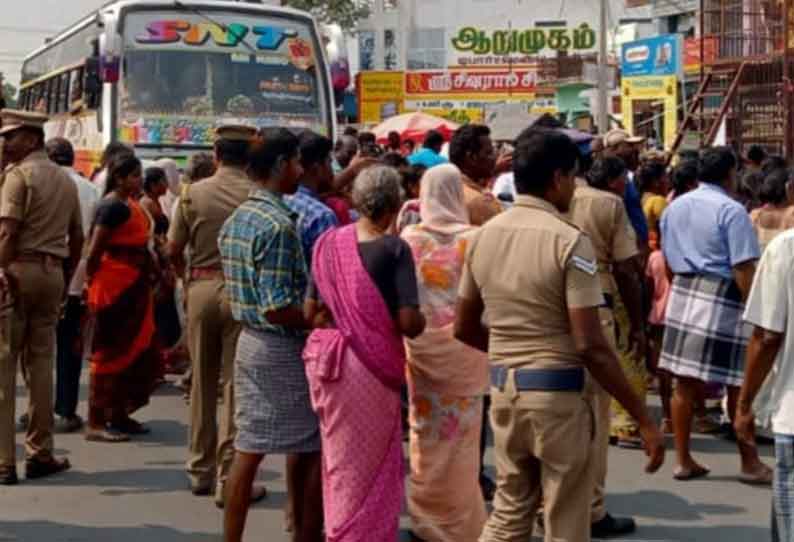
{"x": 684, "y": 475}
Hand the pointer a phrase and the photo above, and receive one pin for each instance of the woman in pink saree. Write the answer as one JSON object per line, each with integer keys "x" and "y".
{"x": 446, "y": 378}
{"x": 362, "y": 300}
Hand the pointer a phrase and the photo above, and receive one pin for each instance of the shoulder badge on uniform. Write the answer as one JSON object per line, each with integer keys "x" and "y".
{"x": 186, "y": 203}
{"x": 584, "y": 265}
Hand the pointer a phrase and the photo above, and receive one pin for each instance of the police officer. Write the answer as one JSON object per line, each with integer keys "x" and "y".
{"x": 544, "y": 342}
{"x": 212, "y": 332}
{"x": 599, "y": 211}
{"x": 41, "y": 239}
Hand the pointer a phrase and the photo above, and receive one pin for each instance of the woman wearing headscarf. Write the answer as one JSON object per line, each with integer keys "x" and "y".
{"x": 446, "y": 378}
{"x": 120, "y": 300}
{"x": 362, "y": 301}
{"x": 171, "y": 170}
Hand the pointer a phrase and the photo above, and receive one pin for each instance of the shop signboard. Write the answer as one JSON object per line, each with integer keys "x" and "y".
{"x": 692, "y": 53}
{"x": 653, "y": 56}
{"x": 657, "y": 89}
{"x": 473, "y": 47}
{"x": 380, "y": 96}
{"x": 471, "y": 84}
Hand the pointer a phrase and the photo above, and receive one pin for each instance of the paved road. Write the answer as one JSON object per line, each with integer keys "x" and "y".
{"x": 137, "y": 492}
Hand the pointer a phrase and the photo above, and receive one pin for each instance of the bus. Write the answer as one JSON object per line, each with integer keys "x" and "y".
{"x": 161, "y": 75}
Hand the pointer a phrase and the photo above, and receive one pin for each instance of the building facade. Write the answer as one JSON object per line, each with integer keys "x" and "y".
{"x": 460, "y": 55}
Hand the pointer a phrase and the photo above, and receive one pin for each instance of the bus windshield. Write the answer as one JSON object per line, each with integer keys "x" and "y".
{"x": 184, "y": 74}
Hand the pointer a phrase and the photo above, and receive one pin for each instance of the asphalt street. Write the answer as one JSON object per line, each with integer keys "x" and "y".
{"x": 137, "y": 491}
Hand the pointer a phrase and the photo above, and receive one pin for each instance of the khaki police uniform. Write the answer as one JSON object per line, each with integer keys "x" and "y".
{"x": 211, "y": 330}
{"x": 543, "y": 439}
{"x": 43, "y": 199}
{"x": 602, "y": 216}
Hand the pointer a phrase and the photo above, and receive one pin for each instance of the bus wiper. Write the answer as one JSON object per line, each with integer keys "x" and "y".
{"x": 209, "y": 19}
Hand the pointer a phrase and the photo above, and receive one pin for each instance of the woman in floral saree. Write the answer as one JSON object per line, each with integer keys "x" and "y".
{"x": 121, "y": 304}
{"x": 362, "y": 300}
{"x": 446, "y": 379}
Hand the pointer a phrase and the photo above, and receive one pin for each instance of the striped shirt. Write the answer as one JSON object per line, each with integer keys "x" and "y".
{"x": 263, "y": 264}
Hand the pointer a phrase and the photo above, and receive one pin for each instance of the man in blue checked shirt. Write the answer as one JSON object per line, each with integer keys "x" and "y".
{"x": 314, "y": 217}
{"x": 265, "y": 277}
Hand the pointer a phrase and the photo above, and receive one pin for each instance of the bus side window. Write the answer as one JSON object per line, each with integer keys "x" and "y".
{"x": 76, "y": 89}
{"x": 40, "y": 98}
{"x": 62, "y": 105}
{"x": 92, "y": 84}
{"x": 23, "y": 99}
{"x": 51, "y": 95}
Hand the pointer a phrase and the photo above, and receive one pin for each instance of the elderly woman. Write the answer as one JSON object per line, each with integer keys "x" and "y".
{"x": 446, "y": 378}
{"x": 362, "y": 301}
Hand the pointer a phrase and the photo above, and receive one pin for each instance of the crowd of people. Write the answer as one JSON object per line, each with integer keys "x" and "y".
{"x": 333, "y": 297}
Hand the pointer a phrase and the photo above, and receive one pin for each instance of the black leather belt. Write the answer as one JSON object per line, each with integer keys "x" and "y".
{"x": 540, "y": 379}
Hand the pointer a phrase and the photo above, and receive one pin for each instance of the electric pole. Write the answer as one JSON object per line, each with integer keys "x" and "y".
{"x": 603, "y": 91}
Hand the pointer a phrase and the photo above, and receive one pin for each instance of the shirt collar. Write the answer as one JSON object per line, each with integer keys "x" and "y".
{"x": 233, "y": 170}
{"x": 713, "y": 188}
{"x": 531, "y": 202}
{"x": 303, "y": 189}
{"x": 268, "y": 196}
{"x": 35, "y": 155}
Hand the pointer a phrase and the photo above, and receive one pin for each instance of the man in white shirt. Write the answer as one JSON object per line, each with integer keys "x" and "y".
{"x": 70, "y": 351}
{"x": 504, "y": 189}
{"x": 770, "y": 308}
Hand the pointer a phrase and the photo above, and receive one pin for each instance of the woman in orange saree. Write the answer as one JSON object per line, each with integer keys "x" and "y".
{"x": 120, "y": 300}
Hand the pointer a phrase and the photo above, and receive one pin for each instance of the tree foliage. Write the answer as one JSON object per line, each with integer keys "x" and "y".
{"x": 345, "y": 13}
{"x": 9, "y": 93}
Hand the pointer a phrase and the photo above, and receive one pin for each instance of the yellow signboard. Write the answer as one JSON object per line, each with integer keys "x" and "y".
{"x": 380, "y": 96}
{"x": 654, "y": 88}
{"x": 457, "y": 115}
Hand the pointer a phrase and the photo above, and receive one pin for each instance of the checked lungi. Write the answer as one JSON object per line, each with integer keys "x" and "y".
{"x": 705, "y": 337}
{"x": 273, "y": 410}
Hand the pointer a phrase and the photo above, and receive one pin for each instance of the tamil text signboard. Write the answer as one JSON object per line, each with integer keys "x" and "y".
{"x": 475, "y": 47}
{"x": 380, "y": 96}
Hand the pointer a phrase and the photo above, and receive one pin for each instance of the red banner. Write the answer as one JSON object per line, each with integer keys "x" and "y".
{"x": 692, "y": 58}
{"x": 460, "y": 82}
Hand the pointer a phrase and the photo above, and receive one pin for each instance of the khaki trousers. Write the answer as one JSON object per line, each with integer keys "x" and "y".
{"x": 212, "y": 341}
{"x": 623, "y": 425}
{"x": 601, "y": 405}
{"x": 27, "y": 334}
{"x": 543, "y": 444}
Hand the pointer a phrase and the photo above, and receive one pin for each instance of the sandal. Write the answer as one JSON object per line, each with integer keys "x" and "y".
{"x": 685, "y": 475}
{"x": 132, "y": 427}
{"x": 761, "y": 478}
{"x": 106, "y": 435}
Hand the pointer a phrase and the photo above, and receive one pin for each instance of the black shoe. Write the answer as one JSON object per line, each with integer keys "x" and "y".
{"x": 610, "y": 527}
{"x": 70, "y": 424}
{"x": 202, "y": 490}
{"x": 488, "y": 488}
{"x": 8, "y": 476}
{"x": 37, "y": 468}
